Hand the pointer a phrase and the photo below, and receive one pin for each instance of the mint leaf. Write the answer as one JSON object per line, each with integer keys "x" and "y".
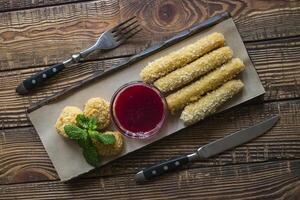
{"x": 82, "y": 142}
{"x": 83, "y": 133}
{"x": 82, "y": 121}
{"x": 91, "y": 155}
{"x": 75, "y": 133}
{"x": 92, "y": 125}
{"x": 104, "y": 138}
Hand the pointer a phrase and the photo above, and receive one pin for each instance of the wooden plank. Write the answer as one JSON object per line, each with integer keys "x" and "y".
{"x": 36, "y": 36}
{"x": 11, "y": 5}
{"x": 258, "y": 19}
{"x": 268, "y": 180}
{"x": 271, "y": 24}
{"x": 48, "y": 35}
{"x": 19, "y": 154}
{"x": 23, "y": 158}
{"x": 276, "y": 62}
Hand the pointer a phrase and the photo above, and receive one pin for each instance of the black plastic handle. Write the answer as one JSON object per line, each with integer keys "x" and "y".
{"x": 38, "y": 78}
{"x": 162, "y": 168}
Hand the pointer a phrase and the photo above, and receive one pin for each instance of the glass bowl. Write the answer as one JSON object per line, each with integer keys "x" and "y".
{"x": 138, "y": 110}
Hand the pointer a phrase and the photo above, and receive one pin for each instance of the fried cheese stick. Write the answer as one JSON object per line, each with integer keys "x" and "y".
{"x": 208, "y": 104}
{"x": 178, "y": 100}
{"x": 190, "y": 72}
{"x": 164, "y": 65}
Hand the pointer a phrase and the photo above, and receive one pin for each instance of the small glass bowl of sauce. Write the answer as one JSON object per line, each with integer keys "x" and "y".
{"x": 138, "y": 110}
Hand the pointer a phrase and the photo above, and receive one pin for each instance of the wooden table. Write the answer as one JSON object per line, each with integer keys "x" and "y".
{"x": 35, "y": 34}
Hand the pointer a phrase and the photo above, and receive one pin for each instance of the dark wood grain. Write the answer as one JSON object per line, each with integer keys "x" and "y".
{"x": 24, "y": 158}
{"x": 268, "y": 180}
{"x": 259, "y": 19}
{"x": 37, "y": 33}
{"x": 276, "y": 62}
{"x": 277, "y": 23}
{"x": 10, "y": 5}
{"x": 48, "y": 35}
{"x": 245, "y": 7}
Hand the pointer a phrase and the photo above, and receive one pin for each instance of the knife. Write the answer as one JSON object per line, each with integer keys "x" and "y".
{"x": 209, "y": 150}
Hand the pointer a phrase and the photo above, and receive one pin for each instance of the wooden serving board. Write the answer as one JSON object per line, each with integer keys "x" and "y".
{"x": 66, "y": 155}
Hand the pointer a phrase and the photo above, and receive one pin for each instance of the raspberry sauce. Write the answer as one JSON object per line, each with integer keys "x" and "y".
{"x": 138, "y": 110}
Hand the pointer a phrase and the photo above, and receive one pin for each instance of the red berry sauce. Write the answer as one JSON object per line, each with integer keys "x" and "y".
{"x": 138, "y": 109}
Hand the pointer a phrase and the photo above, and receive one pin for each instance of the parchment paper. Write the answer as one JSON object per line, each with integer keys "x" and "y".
{"x": 66, "y": 155}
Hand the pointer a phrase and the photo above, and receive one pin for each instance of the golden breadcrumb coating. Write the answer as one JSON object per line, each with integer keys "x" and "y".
{"x": 190, "y": 72}
{"x": 67, "y": 116}
{"x": 110, "y": 149}
{"x": 208, "y": 104}
{"x": 99, "y": 108}
{"x": 164, "y": 65}
{"x": 190, "y": 93}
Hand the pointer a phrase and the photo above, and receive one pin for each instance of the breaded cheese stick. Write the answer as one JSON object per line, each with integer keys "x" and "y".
{"x": 178, "y": 100}
{"x": 164, "y": 65}
{"x": 208, "y": 104}
{"x": 190, "y": 72}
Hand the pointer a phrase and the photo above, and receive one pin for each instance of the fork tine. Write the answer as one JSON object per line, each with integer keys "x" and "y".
{"x": 126, "y": 37}
{"x": 131, "y": 29}
{"x": 119, "y": 25}
{"x": 127, "y": 26}
{"x": 132, "y": 34}
{"x": 121, "y": 34}
{"x": 119, "y": 30}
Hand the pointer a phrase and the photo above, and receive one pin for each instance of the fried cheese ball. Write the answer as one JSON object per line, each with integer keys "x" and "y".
{"x": 67, "y": 116}
{"x": 110, "y": 149}
{"x": 208, "y": 104}
{"x": 190, "y": 93}
{"x": 177, "y": 59}
{"x": 194, "y": 70}
{"x": 99, "y": 108}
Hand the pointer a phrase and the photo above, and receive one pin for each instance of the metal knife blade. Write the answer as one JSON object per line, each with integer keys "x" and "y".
{"x": 236, "y": 139}
{"x": 209, "y": 150}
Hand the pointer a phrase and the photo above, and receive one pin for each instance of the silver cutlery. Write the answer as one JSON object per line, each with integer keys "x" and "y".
{"x": 209, "y": 150}
{"x": 108, "y": 40}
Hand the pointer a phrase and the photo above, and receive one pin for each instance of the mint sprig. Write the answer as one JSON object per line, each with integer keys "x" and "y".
{"x": 84, "y": 132}
{"x": 82, "y": 121}
{"x": 105, "y": 139}
{"x": 75, "y": 133}
{"x": 92, "y": 124}
{"x": 90, "y": 154}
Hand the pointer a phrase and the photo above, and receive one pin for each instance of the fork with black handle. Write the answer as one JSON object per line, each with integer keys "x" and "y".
{"x": 108, "y": 40}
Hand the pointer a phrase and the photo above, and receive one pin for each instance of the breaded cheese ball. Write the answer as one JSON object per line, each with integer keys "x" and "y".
{"x": 110, "y": 149}
{"x": 99, "y": 108}
{"x": 67, "y": 116}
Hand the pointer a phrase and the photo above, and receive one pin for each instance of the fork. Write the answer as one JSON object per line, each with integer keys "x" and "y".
{"x": 108, "y": 40}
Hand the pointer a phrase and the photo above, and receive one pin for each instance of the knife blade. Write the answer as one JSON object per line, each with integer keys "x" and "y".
{"x": 209, "y": 150}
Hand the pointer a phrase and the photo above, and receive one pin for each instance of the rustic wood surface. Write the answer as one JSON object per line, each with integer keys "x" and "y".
{"x": 35, "y": 34}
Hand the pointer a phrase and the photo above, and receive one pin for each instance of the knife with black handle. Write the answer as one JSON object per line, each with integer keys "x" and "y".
{"x": 207, "y": 151}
